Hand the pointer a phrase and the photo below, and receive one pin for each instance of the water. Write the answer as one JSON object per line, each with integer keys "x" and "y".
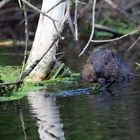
{"x": 109, "y": 116}
{"x": 82, "y": 117}
{"x": 12, "y": 116}
{"x": 11, "y": 56}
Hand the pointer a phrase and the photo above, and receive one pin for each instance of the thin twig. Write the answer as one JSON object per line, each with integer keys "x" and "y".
{"x": 66, "y": 14}
{"x": 58, "y": 33}
{"x": 133, "y": 44}
{"x": 36, "y": 9}
{"x": 118, "y": 38}
{"x": 92, "y": 32}
{"x": 55, "y": 5}
{"x": 73, "y": 30}
{"x": 75, "y": 20}
{"x": 19, "y": 2}
{"x": 26, "y": 38}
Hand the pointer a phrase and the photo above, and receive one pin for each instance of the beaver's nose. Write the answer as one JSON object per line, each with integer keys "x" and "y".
{"x": 98, "y": 73}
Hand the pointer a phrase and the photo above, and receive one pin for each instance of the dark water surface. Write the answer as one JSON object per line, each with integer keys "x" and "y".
{"x": 82, "y": 117}
{"x": 11, "y": 56}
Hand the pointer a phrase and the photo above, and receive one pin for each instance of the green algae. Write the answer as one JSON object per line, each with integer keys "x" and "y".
{"x": 9, "y": 73}
{"x": 57, "y": 85}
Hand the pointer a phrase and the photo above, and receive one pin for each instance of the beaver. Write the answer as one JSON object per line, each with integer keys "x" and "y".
{"x": 106, "y": 65}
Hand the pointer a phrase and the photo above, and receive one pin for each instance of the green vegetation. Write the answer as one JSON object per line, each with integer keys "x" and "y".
{"x": 117, "y": 24}
{"x": 138, "y": 65}
{"x": 10, "y": 74}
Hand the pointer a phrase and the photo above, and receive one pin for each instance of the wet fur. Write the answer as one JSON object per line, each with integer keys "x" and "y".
{"x": 106, "y": 65}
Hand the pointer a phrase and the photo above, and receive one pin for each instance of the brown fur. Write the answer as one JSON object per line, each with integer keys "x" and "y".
{"x": 107, "y": 65}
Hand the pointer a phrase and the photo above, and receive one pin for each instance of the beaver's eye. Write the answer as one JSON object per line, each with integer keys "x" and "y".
{"x": 106, "y": 63}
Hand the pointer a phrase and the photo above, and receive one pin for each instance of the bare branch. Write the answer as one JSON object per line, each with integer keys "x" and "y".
{"x": 26, "y": 39}
{"x": 75, "y": 21}
{"x": 55, "y": 6}
{"x": 92, "y": 32}
{"x": 118, "y": 38}
{"x": 66, "y": 14}
{"x": 36, "y": 9}
{"x": 58, "y": 33}
{"x": 19, "y": 2}
{"x": 133, "y": 44}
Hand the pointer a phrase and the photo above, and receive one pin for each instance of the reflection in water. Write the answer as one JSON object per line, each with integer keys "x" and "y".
{"x": 103, "y": 116}
{"x": 85, "y": 117}
{"x": 47, "y": 114}
{"x": 119, "y": 88}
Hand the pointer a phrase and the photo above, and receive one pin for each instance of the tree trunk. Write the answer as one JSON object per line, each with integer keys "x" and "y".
{"x": 46, "y": 30}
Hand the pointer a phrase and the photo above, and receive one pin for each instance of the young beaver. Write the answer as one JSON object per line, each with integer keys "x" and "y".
{"x": 104, "y": 66}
